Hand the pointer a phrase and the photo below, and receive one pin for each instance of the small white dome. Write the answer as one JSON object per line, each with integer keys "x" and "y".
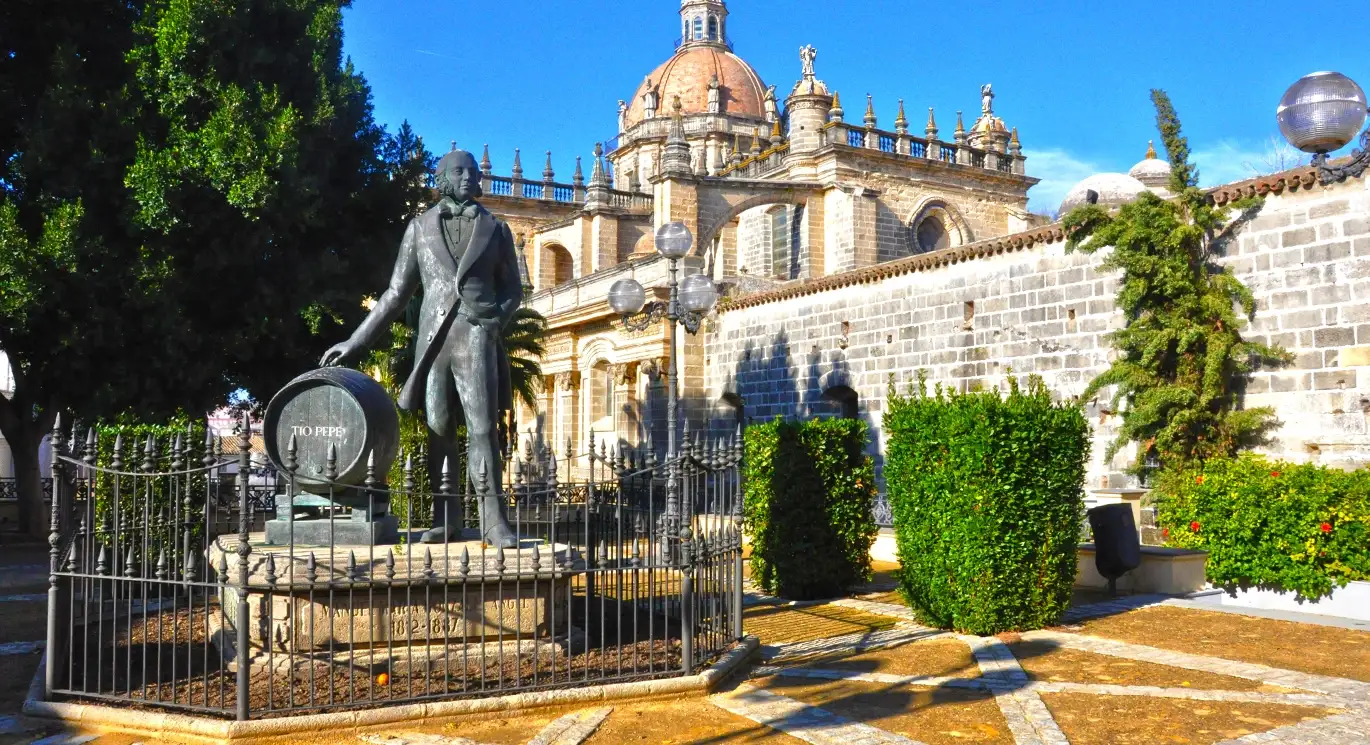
{"x": 1113, "y": 189}
{"x": 1151, "y": 172}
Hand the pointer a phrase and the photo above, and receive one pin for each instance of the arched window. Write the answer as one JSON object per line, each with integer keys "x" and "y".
{"x": 713, "y": 28}
{"x": 699, "y": 28}
{"x": 845, "y": 400}
{"x": 601, "y": 393}
{"x": 557, "y": 266}
{"x": 931, "y": 235}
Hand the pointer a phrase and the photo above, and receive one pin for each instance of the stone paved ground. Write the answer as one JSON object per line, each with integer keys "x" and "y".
{"x": 862, "y": 671}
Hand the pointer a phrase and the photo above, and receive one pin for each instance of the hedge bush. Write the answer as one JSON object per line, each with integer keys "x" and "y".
{"x": 1300, "y": 528}
{"x": 987, "y": 495}
{"x": 135, "y": 435}
{"x": 809, "y": 488}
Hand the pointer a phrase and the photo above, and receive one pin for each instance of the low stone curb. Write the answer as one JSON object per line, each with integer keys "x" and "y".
{"x": 191, "y": 729}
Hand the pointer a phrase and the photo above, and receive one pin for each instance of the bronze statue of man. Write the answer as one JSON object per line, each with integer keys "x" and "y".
{"x": 464, "y": 257}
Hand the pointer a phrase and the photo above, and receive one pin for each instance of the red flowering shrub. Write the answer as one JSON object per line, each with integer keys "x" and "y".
{"x": 1286, "y": 526}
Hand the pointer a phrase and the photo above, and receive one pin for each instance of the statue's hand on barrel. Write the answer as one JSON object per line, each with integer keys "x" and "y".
{"x": 340, "y": 354}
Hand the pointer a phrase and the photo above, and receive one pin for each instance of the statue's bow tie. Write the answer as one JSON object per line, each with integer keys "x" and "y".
{"x": 469, "y": 210}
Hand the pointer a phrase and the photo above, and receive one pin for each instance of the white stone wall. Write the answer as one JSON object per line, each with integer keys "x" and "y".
{"x": 1042, "y": 311}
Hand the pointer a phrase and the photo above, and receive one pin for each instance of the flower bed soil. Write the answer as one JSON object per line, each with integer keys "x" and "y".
{"x": 1322, "y": 650}
{"x": 692, "y": 720}
{"x": 936, "y": 716}
{"x": 778, "y": 624}
{"x": 946, "y": 658}
{"x": 1087, "y": 719}
{"x": 1045, "y": 661}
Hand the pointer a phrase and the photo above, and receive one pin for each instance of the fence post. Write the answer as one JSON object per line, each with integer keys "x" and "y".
{"x": 244, "y": 524}
{"x": 738, "y": 451}
{"x": 54, "y": 559}
{"x": 687, "y": 592}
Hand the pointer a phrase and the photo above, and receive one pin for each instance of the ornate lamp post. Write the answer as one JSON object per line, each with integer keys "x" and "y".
{"x": 689, "y": 301}
{"x": 1323, "y": 112}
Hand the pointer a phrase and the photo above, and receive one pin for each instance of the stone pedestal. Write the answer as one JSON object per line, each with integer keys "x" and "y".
{"x": 367, "y": 597}
{"x": 368, "y": 525}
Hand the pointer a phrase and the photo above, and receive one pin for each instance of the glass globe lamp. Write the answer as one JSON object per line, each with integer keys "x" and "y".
{"x": 1322, "y": 112}
{"x": 698, "y": 294}
{"x": 673, "y": 240}
{"x": 627, "y": 297}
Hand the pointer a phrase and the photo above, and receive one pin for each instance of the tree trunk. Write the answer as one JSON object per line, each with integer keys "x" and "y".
{"x": 34, "y": 514}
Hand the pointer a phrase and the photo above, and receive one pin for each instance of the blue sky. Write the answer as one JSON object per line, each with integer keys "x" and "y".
{"x": 1072, "y": 76}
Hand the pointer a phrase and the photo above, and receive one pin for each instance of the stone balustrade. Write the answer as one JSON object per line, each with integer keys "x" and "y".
{"x": 593, "y": 289}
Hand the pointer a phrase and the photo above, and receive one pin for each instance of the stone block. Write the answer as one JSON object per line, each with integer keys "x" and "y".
{"x": 1356, "y": 226}
{"x": 1334, "y": 337}
{"x": 1328, "y": 209}
{"x": 1288, "y": 300}
{"x": 1270, "y": 221}
{"x": 1355, "y": 356}
{"x": 1300, "y": 319}
{"x": 1336, "y": 294}
{"x": 1334, "y": 380}
{"x": 1288, "y": 382}
{"x": 1287, "y": 258}
{"x": 1298, "y": 237}
{"x": 1327, "y": 252}
{"x": 1308, "y": 360}
{"x": 1300, "y": 277}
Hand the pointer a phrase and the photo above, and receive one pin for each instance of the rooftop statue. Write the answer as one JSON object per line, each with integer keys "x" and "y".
{"x": 808, "y": 54}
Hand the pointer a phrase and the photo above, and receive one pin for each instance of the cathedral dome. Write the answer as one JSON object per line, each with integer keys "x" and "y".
{"x": 1152, "y": 171}
{"x": 1113, "y": 189}
{"x": 687, "y": 75}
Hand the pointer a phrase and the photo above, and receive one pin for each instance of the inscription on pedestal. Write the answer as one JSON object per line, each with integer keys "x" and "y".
{"x": 312, "y": 625}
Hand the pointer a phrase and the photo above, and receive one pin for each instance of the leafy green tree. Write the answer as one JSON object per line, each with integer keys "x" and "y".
{"x": 193, "y": 196}
{"x": 1182, "y": 362}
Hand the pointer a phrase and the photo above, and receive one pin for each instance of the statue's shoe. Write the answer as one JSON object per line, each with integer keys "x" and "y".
{"x": 437, "y": 535}
{"x": 500, "y": 536}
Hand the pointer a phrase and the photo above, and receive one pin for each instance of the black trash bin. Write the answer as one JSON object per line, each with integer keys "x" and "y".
{"x": 1117, "y": 545}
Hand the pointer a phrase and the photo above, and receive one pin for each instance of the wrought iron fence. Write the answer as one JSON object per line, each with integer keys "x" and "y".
{"x": 9, "y": 489}
{"x": 626, "y": 569}
{"x": 881, "y": 512}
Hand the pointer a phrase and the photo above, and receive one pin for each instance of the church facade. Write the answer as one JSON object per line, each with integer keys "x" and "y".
{"x": 851, "y": 254}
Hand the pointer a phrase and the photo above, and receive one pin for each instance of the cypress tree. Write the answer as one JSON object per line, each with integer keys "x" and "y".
{"x": 1182, "y": 362}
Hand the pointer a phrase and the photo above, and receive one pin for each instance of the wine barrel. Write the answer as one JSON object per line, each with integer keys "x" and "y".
{"x": 1117, "y": 547}
{"x": 333, "y": 406}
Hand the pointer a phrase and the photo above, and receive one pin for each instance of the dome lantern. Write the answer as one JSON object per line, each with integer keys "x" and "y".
{"x": 703, "y": 53}
{"x": 704, "y": 22}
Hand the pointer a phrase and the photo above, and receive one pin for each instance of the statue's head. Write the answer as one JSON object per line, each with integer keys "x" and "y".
{"x": 457, "y": 176}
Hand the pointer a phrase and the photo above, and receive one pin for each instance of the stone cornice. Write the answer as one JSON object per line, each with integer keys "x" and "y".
{"x": 921, "y": 262}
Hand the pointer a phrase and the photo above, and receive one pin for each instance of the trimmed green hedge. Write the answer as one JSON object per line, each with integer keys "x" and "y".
{"x": 135, "y": 435}
{"x": 1301, "y": 528}
{"x": 809, "y": 489}
{"x": 987, "y": 494}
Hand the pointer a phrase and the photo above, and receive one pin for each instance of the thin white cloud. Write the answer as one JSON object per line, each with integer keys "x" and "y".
{"x": 1058, "y": 171}
{"x": 1230, "y": 160}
